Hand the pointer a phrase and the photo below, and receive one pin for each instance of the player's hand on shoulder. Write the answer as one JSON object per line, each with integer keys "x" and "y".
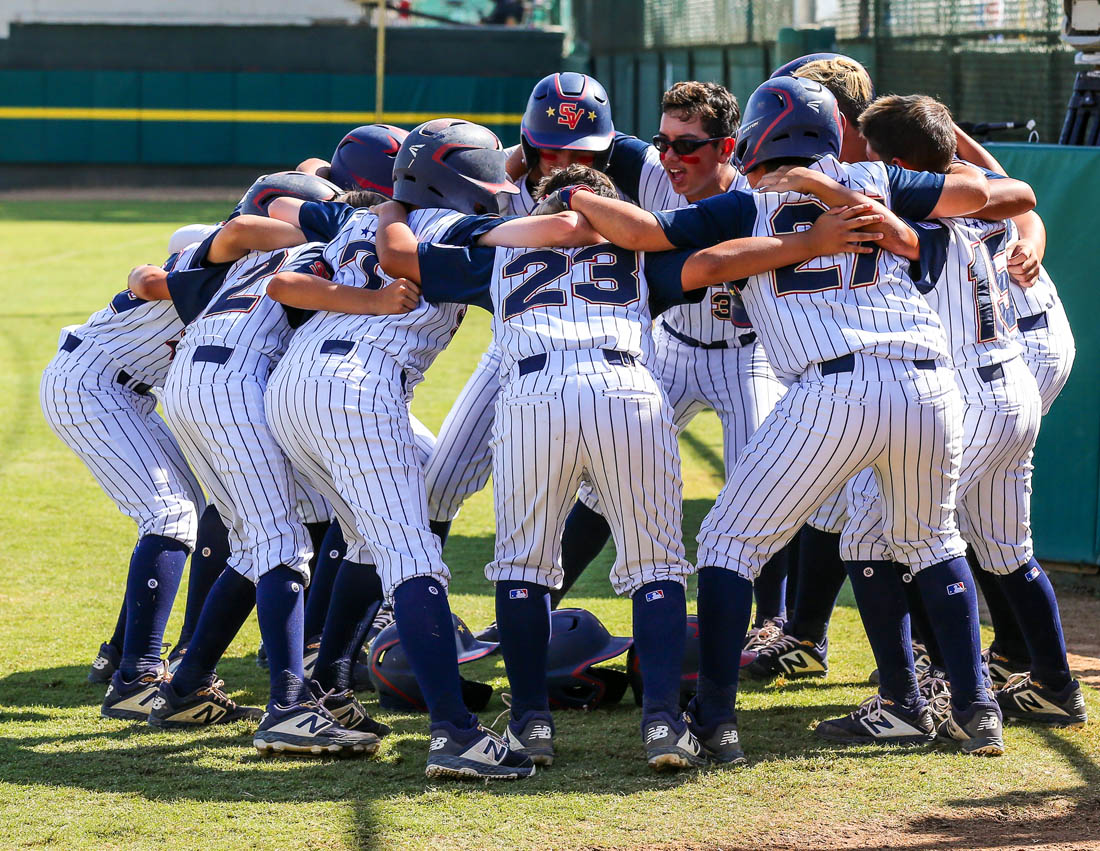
{"x": 842, "y": 230}
{"x": 401, "y": 296}
{"x": 788, "y": 178}
{"x": 1023, "y": 262}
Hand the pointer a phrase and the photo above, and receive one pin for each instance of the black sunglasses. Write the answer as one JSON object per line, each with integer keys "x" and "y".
{"x": 682, "y": 146}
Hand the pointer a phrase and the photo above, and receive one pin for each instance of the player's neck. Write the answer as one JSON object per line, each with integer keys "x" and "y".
{"x": 721, "y": 182}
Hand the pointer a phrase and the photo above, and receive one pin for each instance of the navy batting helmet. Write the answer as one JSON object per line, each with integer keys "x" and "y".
{"x": 577, "y": 642}
{"x": 788, "y": 118}
{"x": 689, "y": 671}
{"x": 454, "y": 164}
{"x": 285, "y": 184}
{"x": 393, "y": 677}
{"x": 792, "y": 66}
{"x": 364, "y": 158}
{"x": 568, "y": 112}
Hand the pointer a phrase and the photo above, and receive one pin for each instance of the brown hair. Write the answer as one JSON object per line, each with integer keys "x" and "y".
{"x": 914, "y": 128}
{"x": 577, "y": 175}
{"x": 714, "y": 104}
{"x": 361, "y": 198}
{"x": 848, "y": 81}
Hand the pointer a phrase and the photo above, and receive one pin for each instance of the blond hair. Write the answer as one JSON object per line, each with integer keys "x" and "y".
{"x": 848, "y": 81}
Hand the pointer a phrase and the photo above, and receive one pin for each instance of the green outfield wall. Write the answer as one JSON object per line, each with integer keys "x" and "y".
{"x": 1065, "y": 506}
{"x": 224, "y": 96}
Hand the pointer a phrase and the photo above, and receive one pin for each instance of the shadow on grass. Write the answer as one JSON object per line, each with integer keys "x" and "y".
{"x": 115, "y": 212}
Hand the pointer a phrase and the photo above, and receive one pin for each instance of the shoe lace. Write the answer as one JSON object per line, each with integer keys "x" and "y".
{"x": 507, "y": 698}
{"x": 871, "y": 708}
{"x": 935, "y": 689}
{"x": 764, "y": 635}
{"x": 781, "y": 645}
{"x": 1016, "y": 682}
{"x": 215, "y": 689}
{"x": 383, "y": 619}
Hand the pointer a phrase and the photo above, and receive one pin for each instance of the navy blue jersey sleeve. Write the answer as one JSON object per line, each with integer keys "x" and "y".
{"x": 310, "y": 261}
{"x": 730, "y": 215}
{"x": 468, "y": 229}
{"x": 170, "y": 263}
{"x": 628, "y": 155}
{"x": 914, "y": 194}
{"x": 320, "y": 221}
{"x": 934, "y": 239}
{"x": 453, "y": 273}
{"x": 664, "y": 277}
{"x": 191, "y": 289}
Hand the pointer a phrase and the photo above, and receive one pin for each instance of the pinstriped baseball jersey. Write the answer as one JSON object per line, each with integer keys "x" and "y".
{"x": 558, "y": 299}
{"x": 863, "y": 303}
{"x": 976, "y": 311}
{"x": 1027, "y": 301}
{"x": 238, "y": 314}
{"x": 636, "y": 168}
{"x": 136, "y": 335}
{"x": 413, "y": 339}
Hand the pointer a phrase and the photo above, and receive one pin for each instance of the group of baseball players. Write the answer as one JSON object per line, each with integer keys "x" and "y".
{"x": 852, "y": 284}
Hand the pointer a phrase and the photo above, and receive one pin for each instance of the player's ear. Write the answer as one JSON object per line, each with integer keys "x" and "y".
{"x": 725, "y": 149}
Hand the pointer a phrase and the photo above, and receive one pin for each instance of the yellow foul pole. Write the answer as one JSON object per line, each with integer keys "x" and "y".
{"x": 380, "y": 62}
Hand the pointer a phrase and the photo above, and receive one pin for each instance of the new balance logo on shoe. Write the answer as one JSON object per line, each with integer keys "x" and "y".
{"x": 315, "y": 722}
{"x": 208, "y": 714}
{"x": 654, "y": 733}
{"x": 437, "y": 744}
{"x": 989, "y": 722}
{"x": 795, "y": 661}
{"x": 729, "y": 737}
{"x": 159, "y": 702}
{"x": 100, "y": 662}
{"x": 540, "y": 731}
{"x": 494, "y": 749}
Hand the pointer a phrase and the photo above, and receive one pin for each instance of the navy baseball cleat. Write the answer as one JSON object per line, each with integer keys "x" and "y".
{"x": 104, "y": 664}
{"x": 261, "y": 657}
{"x": 309, "y": 657}
{"x": 491, "y": 633}
{"x": 760, "y": 637}
{"x": 880, "y": 721}
{"x": 206, "y": 705}
{"x": 308, "y": 729}
{"x": 176, "y": 656}
{"x": 133, "y": 701}
{"x": 921, "y": 663}
{"x": 977, "y": 729}
{"x": 669, "y": 743}
{"x": 476, "y": 753}
{"x": 345, "y": 707}
{"x": 1002, "y": 668}
{"x": 532, "y": 736}
{"x": 720, "y": 741}
{"x": 936, "y": 690}
{"x": 1024, "y": 699}
{"x": 790, "y": 657}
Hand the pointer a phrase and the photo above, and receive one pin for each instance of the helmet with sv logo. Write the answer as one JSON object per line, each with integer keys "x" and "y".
{"x": 570, "y": 112}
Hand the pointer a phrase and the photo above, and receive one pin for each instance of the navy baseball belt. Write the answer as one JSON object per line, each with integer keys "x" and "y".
{"x": 847, "y": 363}
{"x": 1030, "y": 323}
{"x": 743, "y": 340}
{"x": 534, "y": 363}
{"x": 72, "y": 343}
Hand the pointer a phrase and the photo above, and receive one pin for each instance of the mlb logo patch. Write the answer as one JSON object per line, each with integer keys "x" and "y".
{"x": 1032, "y": 574}
{"x": 956, "y": 588}
{"x": 654, "y": 595}
{"x": 517, "y": 594}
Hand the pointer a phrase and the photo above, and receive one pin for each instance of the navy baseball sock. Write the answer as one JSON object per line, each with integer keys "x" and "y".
{"x": 586, "y": 533}
{"x": 880, "y": 598}
{"x": 919, "y": 625}
{"x": 207, "y": 563}
{"x": 156, "y": 568}
{"x": 725, "y": 602}
{"x": 794, "y": 550}
{"x": 441, "y": 529}
{"x": 119, "y": 634}
{"x": 1008, "y": 639}
{"x": 279, "y": 609}
{"x": 660, "y": 629}
{"x": 316, "y": 532}
{"x": 331, "y": 554}
{"x": 356, "y": 596}
{"x": 426, "y": 630}
{"x": 1031, "y": 595}
{"x": 821, "y": 575}
{"x": 227, "y": 607}
{"x": 951, "y": 601}
{"x": 770, "y": 589}
{"x": 523, "y": 618}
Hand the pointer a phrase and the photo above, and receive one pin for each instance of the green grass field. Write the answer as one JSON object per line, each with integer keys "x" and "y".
{"x": 69, "y": 779}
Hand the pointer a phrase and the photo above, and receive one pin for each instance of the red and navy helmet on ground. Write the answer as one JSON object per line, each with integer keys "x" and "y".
{"x": 364, "y": 158}
{"x": 568, "y": 112}
{"x": 788, "y": 118}
{"x": 453, "y": 164}
{"x": 578, "y": 641}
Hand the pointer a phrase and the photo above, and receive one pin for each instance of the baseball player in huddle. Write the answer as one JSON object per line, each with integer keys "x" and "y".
{"x": 959, "y": 259}
{"x": 579, "y": 404}
{"x": 214, "y": 402}
{"x": 567, "y": 121}
{"x": 97, "y": 397}
{"x": 870, "y": 388}
{"x": 339, "y": 406}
